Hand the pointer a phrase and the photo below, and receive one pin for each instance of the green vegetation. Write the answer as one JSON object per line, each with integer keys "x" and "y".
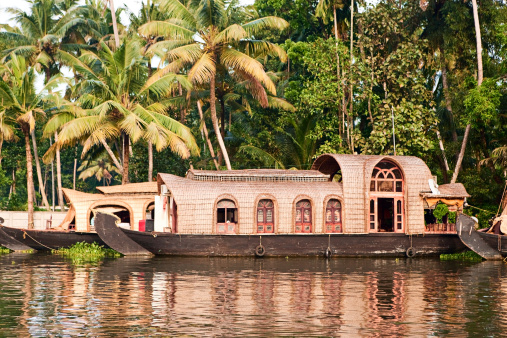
{"x": 462, "y": 256}
{"x": 217, "y": 85}
{"x": 4, "y": 250}
{"x": 85, "y": 252}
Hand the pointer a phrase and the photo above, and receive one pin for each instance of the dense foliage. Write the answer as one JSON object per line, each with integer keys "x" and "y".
{"x": 209, "y": 83}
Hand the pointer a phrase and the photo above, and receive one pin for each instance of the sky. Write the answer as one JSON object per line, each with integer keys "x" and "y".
{"x": 132, "y": 5}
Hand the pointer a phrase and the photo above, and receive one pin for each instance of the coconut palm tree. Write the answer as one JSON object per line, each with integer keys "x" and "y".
{"x": 479, "y": 82}
{"x": 201, "y": 34}
{"x": 21, "y": 105}
{"x": 117, "y": 99}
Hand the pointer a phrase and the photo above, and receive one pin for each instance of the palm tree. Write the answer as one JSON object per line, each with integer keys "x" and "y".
{"x": 479, "y": 82}
{"x": 200, "y": 34}
{"x": 296, "y": 147}
{"x": 117, "y": 99}
{"x": 101, "y": 168}
{"x": 22, "y": 106}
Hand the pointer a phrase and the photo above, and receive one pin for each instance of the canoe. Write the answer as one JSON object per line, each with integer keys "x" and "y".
{"x": 43, "y": 240}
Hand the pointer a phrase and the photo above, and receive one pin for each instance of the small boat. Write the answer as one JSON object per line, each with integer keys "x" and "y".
{"x": 490, "y": 243}
{"x": 42, "y": 240}
{"x": 131, "y": 204}
{"x": 346, "y": 206}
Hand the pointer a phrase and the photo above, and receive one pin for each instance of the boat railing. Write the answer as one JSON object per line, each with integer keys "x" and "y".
{"x": 439, "y": 228}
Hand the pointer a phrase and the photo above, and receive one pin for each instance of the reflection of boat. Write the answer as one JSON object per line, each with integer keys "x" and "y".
{"x": 347, "y": 205}
{"x": 131, "y": 203}
{"x": 489, "y": 243}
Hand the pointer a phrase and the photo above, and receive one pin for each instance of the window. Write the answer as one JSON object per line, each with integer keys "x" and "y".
{"x": 386, "y": 198}
{"x": 265, "y": 216}
{"x": 227, "y": 217}
{"x": 303, "y": 217}
{"x": 333, "y": 216}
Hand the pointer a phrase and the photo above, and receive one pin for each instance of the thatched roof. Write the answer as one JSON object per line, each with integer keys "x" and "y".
{"x": 266, "y": 175}
{"x": 131, "y": 188}
{"x": 452, "y": 190}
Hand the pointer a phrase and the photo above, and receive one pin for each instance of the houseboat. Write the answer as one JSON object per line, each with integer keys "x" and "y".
{"x": 132, "y": 204}
{"x": 346, "y": 205}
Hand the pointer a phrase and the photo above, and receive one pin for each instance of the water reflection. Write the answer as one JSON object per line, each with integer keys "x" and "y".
{"x": 45, "y": 295}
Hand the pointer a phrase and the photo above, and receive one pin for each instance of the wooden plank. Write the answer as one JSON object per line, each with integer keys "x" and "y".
{"x": 473, "y": 240}
{"x": 106, "y": 228}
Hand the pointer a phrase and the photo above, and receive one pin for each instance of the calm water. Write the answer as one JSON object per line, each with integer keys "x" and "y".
{"x": 48, "y": 296}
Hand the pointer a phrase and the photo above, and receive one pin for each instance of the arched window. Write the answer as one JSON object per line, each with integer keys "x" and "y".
{"x": 265, "y": 216}
{"x": 227, "y": 217}
{"x": 303, "y": 216}
{"x": 386, "y": 177}
{"x": 386, "y": 198}
{"x": 333, "y": 216}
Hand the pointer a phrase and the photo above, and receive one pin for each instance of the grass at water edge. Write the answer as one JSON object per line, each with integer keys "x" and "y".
{"x": 461, "y": 256}
{"x": 86, "y": 252}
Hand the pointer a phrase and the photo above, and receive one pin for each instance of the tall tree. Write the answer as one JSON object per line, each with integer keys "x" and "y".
{"x": 22, "y": 105}
{"x": 117, "y": 99}
{"x": 200, "y": 34}
{"x": 479, "y": 83}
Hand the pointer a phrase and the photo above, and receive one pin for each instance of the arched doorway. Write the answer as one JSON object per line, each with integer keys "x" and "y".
{"x": 386, "y": 205}
{"x": 122, "y": 212}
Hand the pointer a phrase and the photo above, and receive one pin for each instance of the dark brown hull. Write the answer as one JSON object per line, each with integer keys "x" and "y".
{"x": 340, "y": 245}
{"x": 50, "y": 239}
{"x": 496, "y": 242}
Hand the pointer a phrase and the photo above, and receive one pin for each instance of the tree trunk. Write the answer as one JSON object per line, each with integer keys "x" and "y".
{"x": 115, "y": 25}
{"x": 479, "y": 82}
{"x": 150, "y": 161}
{"x": 338, "y": 75}
{"x": 74, "y": 174}
{"x": 208, "y": 141}
{"x": 183, "y": 111}
{"x": 59, "y": 176}
{"x": 39, "y": 172}
{"x": 461, "y": 154}
{"x": 351, "y": 114}
{"x": 214, "y": 120}
{"x": 448, "y": 103}
{"x": 52, "y": 180}
{"x": 441, "y": 144}
{"x": 29, "y": 176}
{"x": 113, "y": 157}
{"x": 1, "y": 144}
{"x": 126, "y": 158}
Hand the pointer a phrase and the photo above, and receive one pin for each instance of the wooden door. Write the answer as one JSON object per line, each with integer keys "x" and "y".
{"x": 265, "y": 217}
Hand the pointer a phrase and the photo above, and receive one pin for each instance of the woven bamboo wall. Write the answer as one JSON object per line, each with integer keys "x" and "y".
{"x": 356, "y": 172}
{"x": 136, "y": 203}
{"x": 196, "y": 201}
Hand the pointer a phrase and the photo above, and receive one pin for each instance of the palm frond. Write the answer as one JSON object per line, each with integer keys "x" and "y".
{"x": 165, "y": 29}
{"x": 236, "y": 60}
{"x": 269, "y": 22}
{"x": 261, "y": 155}
{"x": 202, "y": 70}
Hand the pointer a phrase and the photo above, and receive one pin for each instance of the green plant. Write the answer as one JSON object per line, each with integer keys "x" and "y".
{"x": 440, "y": 211}
{"x": 86, "y": 252}
{"x": 465, "y": 256}
{"x": 4, "y": 250}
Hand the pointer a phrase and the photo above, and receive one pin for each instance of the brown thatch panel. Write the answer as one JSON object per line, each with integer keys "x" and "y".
{"x": 83, "y": 203}
{"x": 351, "y": 168}
{"x": 131, "y": 188}
{"x": 196, "y": 202}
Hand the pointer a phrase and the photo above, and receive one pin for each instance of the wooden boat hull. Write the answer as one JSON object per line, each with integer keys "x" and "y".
{"x": 496, "y": 242}
{"x": 50, "y": 239}
{"x": 340, "y": 245}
